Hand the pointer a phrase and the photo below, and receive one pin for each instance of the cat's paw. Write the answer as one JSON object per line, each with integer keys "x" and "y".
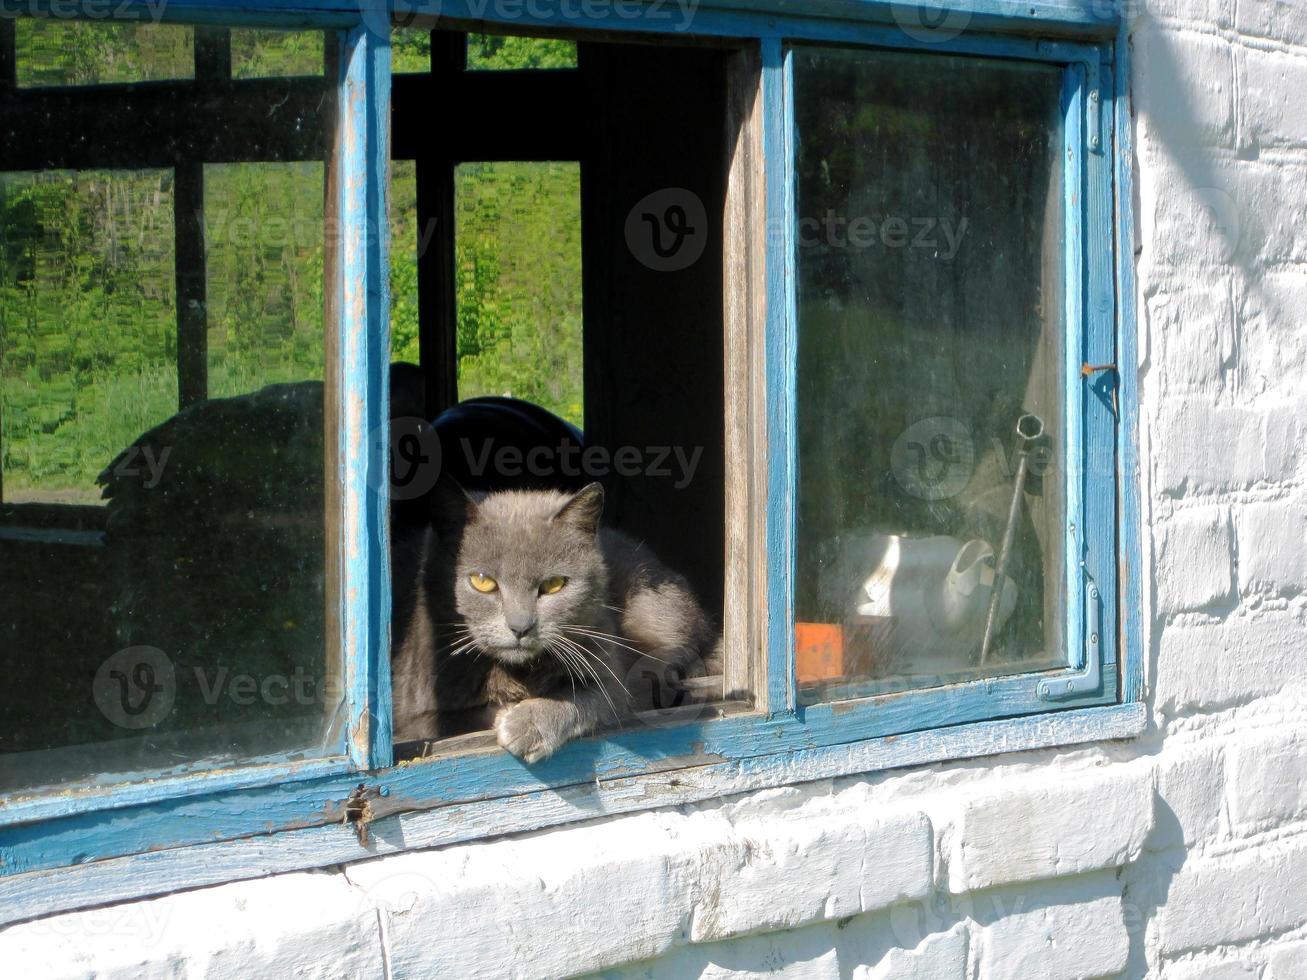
{"x": 533, "y": 729}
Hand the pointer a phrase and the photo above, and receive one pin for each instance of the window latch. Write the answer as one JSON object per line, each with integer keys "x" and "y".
{"x": 1086, "y": 677}
{"x": 358, "y": 810}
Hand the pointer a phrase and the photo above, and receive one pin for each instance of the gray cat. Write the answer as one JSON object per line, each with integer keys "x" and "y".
{"x": 528, "y": 617}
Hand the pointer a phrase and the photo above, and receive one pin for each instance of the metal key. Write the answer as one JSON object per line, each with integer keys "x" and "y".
{"x": 1030, "y": 428}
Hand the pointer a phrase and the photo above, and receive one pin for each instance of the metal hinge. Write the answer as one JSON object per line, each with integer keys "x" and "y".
{"x": 1093, "y": 118}
{"x": 1087, "y": 677}
{"x": 358, "y": 810}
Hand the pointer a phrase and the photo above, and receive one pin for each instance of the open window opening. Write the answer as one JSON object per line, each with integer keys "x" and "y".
{"x": 561, "y": 240}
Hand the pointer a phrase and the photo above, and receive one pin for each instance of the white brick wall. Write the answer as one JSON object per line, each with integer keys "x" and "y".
{"x": 1180, "y": 856}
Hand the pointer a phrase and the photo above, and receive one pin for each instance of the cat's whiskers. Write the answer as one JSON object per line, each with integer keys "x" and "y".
{"x": 610, "y": 638}
{"x": 601, "y": 661}
{"x": 562, "y": 659}
{"x": 587, "y": 658}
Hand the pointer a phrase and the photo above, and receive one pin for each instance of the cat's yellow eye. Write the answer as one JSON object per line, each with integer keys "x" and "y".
{"x": 551, "y": 585}
{"x": 483, "y": 583}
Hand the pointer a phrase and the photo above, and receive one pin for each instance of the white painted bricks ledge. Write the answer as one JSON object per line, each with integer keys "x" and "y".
{"x": 598, "y": 896}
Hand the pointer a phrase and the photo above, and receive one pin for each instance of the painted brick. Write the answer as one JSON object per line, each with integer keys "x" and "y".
{"x": 1272, "y": 350}
{"x": 1234, "y": 969}
{"x": 1207, "y": 13}
{"x": 1195, "y": 329}
{"x": 1268, "y": 117}
{"x": 1195, "y": 565}
{"x": 1211, "y": 448}
{"x": 1232, "y": 899}
{"x": 1049, "y": 825}
{"x": 548, "y": 905}
{"x": 1063, "y": 941}
{"x": 1191, "y": 217}
{"x": 1217, "y": 664}
{"x": 1281, "y": 20}
{"x": 1272, "y": 208}
{"x": 1186, "y": 87}
{"x": 1190, "y": 790}
{"x": 942, "y": 956}
{"x": 1202, "y": 209}
{"x": 1267, "y": 780}
{"x": 1272, "y": 551}
{"x": 302, "y": 925}
{"x": 814, "y": 868}
{"x": 1287, "y": 961}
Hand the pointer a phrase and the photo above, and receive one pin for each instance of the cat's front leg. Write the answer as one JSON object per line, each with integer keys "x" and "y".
{"x": 536, "y": 728}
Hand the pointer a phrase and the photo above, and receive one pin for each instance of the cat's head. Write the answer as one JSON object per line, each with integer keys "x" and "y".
{"x": 526, "y": 565}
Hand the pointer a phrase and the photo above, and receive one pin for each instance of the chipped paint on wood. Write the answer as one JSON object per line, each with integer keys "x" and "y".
{"x": 43, "y": 892}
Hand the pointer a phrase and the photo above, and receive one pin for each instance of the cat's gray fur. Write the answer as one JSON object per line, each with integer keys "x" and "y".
{"x": 536, "y": 667}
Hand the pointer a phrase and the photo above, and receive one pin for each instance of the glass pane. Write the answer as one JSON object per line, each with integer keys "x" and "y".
{"x": 162, "y": 596}
{"x": 517, "y": 241}
{"x": 505, "y": 51}
{"x": 69, "y": 52}
{"x": 273, "y": 54}
{"x": 88, "y": 325}
{"x": 930, "y": 238}
{"x": 264, "y": 254}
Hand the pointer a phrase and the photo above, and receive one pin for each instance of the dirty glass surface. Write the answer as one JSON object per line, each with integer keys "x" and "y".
{"x": 56, "y": 52}
{"x": 162, "y": 507}
{"x": 930, "y": 512}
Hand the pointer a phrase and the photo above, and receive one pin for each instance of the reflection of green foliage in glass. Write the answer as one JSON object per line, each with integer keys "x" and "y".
{"x": 504, "y": 51}
{"x": 264, "y": 249}
{"x": 518, "y": 275}
{"x": 275, "y": 54}
{"x": 87, "y": 321}
{"x": 72, "y": 52}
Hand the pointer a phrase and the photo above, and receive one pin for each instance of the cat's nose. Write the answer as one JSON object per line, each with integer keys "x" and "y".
{"x": 521, "y": 629}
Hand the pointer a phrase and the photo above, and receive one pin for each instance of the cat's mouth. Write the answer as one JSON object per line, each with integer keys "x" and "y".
{"x": 516, "y": 653}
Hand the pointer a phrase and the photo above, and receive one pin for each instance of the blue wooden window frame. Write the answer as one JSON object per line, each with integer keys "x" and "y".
{"x": 106, "y": 843}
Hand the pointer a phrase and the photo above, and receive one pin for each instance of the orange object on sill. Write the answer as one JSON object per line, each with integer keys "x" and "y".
{"x": 818, "y": 651}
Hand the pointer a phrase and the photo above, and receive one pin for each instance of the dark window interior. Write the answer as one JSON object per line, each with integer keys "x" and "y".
{"x": 639, "y": 119}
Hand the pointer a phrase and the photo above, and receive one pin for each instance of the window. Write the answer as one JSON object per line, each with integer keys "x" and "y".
{"x": 188, "y": 526}
{"x": 889, "y": 350}
{"x": 931, "y": 329}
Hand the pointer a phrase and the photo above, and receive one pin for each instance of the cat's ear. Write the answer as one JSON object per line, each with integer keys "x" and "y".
{"x": 452, "y": 507}
{"x": 584, "y": 509}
